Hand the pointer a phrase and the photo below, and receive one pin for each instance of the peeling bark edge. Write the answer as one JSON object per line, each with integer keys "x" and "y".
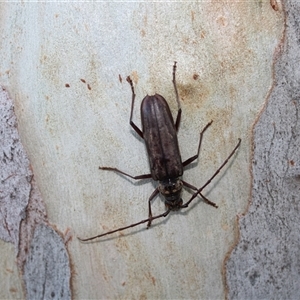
{"x": 264, "y": 263}
{"x": 40, "y": 249}
{"x": 47, "y": 269}
{"x": 276, "y": 57}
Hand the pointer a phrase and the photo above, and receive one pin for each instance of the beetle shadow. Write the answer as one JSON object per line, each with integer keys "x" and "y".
{"x": 191, "y": 166}
{"x": 137, "y": 136}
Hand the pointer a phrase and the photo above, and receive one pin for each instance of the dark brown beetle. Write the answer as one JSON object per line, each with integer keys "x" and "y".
{"x": 160, "y": 136}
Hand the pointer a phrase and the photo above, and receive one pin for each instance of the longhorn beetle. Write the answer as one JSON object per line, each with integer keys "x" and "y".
{"x": 160, "y": 135}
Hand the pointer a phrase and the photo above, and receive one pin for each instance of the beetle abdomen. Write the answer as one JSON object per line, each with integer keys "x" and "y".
{"x": 161, "y": 138}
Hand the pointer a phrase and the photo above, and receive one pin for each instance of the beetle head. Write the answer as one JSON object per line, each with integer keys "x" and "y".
{"x": 171, "y": 190}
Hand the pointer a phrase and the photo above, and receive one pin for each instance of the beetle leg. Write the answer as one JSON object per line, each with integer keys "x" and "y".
{"x": 191, "y": 159}
{"x": 153, "y": 195}
{"x": 214, "y": 175}
{"x": 144, "y": 176}
{"x": 178, "y": 118}
{"x": 188, "y": 185}
{"x": 136, "y": 129}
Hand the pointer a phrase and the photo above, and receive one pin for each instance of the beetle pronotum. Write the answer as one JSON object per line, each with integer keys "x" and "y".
{"x": 160, "y": 135}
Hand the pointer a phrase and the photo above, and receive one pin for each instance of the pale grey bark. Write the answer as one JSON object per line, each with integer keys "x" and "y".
{"x": 265, "y": 264}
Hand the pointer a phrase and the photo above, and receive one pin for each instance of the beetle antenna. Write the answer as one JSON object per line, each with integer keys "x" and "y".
{"x": 212, "y": 177}
{"x": 126, "y": 227}
{"x": 175, "y": 86}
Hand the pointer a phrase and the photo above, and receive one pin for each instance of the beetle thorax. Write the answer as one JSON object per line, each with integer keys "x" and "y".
{"x": 171, "y": 190}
